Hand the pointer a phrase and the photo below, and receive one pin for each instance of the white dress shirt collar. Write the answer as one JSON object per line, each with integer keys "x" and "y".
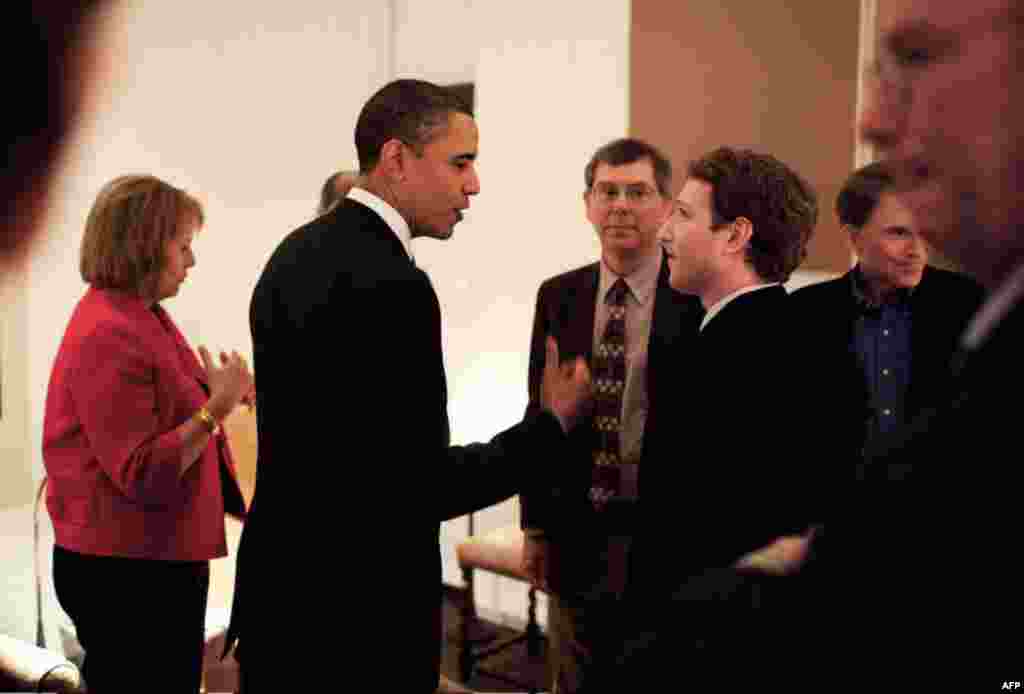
{"x": 641, "y": 282}
{"x": 389, "y": 214}
{"x": 724, "y": 301}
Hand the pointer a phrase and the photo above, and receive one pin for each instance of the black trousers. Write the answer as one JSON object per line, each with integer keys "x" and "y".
{"x": 141, "y": 622}
{"x": 719, "y": 626}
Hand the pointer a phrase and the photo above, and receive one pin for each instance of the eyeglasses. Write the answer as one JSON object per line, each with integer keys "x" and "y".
{"x": 636, "y": 194}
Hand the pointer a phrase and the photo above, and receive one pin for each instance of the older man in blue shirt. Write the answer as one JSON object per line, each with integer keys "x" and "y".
{"x": 883, "y": 335}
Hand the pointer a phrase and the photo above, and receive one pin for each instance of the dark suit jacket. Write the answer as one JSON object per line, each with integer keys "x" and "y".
{"x": 940, "y": 307}
{"x": 565, "y": 309}
{"x": 355, "y": 470}
{"x": 734, "y": 476}
{"x": 728, "y": 447}
{"x": 934, "y": 550}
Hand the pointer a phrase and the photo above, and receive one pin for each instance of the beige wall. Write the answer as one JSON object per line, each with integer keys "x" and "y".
{"x": 552, "y": 84}
{"x": 15, "y": 455}
{"x": 777, "y": 77}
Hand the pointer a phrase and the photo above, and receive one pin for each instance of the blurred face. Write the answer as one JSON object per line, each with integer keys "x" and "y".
{"x": 891, "y": 250}
{"x": 946, "y": 110}
{"x": 439, "y": 183}
{"x": 178, "y": 258}
{"x": 692, "y": 248}
{"x": 79, "y": 61}
{"x": 626, "y": 209}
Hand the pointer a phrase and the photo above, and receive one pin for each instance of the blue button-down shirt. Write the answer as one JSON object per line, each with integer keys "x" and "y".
{"x": 881, "y": 339}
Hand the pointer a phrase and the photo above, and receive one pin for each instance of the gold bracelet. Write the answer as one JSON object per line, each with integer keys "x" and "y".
{"x": 204, "y": 416}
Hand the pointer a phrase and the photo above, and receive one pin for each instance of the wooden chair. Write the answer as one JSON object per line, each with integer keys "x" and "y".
{"x": 448, "y": 686}
{"x": 498, "y": 551}
{"x": 240, "y": 428}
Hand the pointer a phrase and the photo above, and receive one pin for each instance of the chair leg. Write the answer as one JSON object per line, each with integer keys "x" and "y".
{"x": 533, "y": 637}
{"x": 533, "y": 634}
{"x": 467, "y": 615}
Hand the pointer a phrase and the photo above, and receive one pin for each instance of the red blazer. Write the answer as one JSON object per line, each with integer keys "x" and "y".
{"x": 124, "y": 379}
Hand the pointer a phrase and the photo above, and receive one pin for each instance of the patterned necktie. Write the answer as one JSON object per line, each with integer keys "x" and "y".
{"x": 609, "y": 376}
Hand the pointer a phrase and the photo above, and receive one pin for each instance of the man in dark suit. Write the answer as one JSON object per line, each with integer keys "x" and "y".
{"x": 884, "y": 334}
{"x": 570, "y": 548}
{"x": 935, "y": 558}
{"x": 352, "y": 419}
{"x": 740, "y": 226}
{"x": 729, "y": 466}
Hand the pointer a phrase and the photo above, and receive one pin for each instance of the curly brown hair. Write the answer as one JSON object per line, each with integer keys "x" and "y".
{"x": 781, "y": 206}
{"x": 129, "y": 224}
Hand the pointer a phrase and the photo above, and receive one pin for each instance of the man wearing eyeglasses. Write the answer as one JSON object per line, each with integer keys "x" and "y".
{"x": 622, "y": 315}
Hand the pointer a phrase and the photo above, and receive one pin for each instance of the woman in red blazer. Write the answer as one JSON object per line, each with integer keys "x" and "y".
{"x": 140, "y": 475}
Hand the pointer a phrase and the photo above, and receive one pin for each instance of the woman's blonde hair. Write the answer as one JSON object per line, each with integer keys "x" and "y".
{"x": 129, "y": 224}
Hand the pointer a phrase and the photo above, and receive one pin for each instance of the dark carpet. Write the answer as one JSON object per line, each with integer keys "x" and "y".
{"x": 512, "y": 669}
